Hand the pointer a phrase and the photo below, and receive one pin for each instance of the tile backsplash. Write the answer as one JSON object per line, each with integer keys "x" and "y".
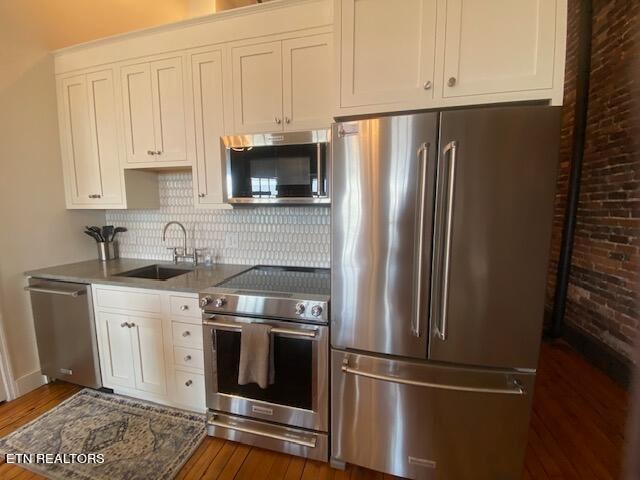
{"x": 262, "y": 235}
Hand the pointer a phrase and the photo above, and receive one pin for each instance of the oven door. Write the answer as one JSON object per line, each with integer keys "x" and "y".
{"x": 299, "y": 395}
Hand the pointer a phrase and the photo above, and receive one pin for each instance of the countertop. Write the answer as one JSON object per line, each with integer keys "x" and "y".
{"x": 95, "y": 271}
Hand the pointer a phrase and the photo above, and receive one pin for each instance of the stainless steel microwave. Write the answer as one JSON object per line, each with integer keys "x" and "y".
{"x": 278, "y": 168}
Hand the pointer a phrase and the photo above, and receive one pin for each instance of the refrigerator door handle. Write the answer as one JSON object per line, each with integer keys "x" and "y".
{"x": 517, "y": 386}
{"x": 423, "y": 157}
{"x": 443, "y": 299}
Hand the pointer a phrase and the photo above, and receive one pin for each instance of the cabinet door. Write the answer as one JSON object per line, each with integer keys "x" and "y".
{"x": 168, "y": 110}
{"x": 116, "y": 358}
{"x": 209, "y": 122}
{"x": 138, "y": 113}
{"x": 81, "y": 168}
{"x": 257, "y": 87}
{"x": 498, "y": 46}
{"x": 307, "y": 80}
{"x": 148, "y": 353}
{"x": 104, "y": 136}
{"x": 387, "y": 52}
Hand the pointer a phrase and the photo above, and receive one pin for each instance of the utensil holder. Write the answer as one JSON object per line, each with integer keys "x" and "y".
{"x": 107, "y": 251}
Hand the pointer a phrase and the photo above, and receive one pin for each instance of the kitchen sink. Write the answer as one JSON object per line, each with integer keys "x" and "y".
{"x": 154, "y": 272}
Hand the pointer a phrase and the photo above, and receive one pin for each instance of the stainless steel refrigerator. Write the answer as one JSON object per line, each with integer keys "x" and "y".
{"x": 441, "y": 225}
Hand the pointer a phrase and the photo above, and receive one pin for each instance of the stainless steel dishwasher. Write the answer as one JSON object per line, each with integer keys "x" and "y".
{"x": 65, "y": 331}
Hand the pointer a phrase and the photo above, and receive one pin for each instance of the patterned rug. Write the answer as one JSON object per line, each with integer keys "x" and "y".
{"x": 134, "y": 439}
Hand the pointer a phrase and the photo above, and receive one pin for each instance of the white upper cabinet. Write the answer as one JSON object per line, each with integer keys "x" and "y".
{"x": 282, "y": 85}
{"x": 208, "y": 99}
{"x": 498, "y": 46}
{"x": 257, "y": 87}
{"x": 155, "y": 120}
{"x": 413, "y": 54}
{"x": 88, "y": 131}
{"x": 387, "y": 52}
{"x": 307, "y": 77}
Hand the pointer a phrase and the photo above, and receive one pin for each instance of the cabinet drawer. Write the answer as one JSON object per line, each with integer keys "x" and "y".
{"x": 190, "y": 389}
{"x": 187, "y": 335}
{"x": 188, "y": 357}
{"x": 128, "y": 300}
{"x": 185, "y": 307}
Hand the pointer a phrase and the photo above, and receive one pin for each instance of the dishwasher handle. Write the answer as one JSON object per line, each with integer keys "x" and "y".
{"x": 67, "y": 293}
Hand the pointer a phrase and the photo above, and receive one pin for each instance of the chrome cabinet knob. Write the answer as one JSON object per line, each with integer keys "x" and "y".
{"x": 202, "y": 195}
{"x": 278, "y": 120}
{"x": 186, "y": 333}
{"x": 188, "y": 383}
{"x": 204, "y": 301}
{"x": 94, "y": 195}
{"x": 131, "y": 325}
{"x": 187, "y": 358}
{"x": 287, "y": 120}
{"x": 452, "y": 81}
{"x": 158, "y": 152}
{"x": 427, "y": 85}
{"x": 150, "y": 152}
{"x": 300, "y": 308}
{"x": 124, "y": 324}
{"x": 184, "y": 307}
{"x": 219, "y": 302}
{"x": 316, "y": 310}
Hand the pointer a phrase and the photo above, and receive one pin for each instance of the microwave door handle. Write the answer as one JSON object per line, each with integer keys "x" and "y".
{"x": 423, "y": 157}
{"x": 319, "y": 168}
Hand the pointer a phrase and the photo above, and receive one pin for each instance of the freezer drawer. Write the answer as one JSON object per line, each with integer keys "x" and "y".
{"x": 422, "y": 420}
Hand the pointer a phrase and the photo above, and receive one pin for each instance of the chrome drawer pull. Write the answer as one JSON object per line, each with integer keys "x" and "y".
{"x": 186, "y": 333}
{"x": 311, "y": 443}
{"x": 187, "y": 358}
{"x": 184, "y": 307}
{"x": 188, "y": 383}
{"x": 517, "y": 390}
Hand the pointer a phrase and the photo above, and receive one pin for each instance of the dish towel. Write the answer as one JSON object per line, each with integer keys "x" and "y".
{"x": 256, "y": 355}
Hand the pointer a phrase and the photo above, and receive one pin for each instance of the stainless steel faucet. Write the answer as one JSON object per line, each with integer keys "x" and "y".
{"x": 185, "y": 256}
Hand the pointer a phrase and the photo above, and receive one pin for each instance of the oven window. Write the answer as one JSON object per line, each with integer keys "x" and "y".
{"x": 293, "y": 371}
{"x": 278, "y": 171}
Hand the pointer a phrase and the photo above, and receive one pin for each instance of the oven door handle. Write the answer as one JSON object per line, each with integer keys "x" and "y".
{"x": 306, "y": 333}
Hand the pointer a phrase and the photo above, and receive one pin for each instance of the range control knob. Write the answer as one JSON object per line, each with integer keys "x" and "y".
{"x": 300, "y": 308}
{"x": 316, "y": 310}
{"x": 204, "y": 301}
{"x": 219, "y": 302}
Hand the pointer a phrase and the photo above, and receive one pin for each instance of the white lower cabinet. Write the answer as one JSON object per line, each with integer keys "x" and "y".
{"x": 138, "y": 354}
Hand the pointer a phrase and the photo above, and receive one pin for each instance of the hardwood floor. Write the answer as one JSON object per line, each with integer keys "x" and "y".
{"x": 577, "y": 432}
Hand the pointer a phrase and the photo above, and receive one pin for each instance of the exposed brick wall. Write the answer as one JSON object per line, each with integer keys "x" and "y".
{"x": 605, "y": 283}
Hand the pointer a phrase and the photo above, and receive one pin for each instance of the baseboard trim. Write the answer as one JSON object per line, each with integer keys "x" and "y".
{"x": 30, "y": 381}
{"x": 600, "y": 355}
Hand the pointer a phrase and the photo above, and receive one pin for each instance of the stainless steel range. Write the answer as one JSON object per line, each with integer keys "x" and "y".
{"x": 292, "y": 414}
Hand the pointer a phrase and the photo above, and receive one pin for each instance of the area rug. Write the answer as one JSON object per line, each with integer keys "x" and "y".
{"x": 96, "y": 436}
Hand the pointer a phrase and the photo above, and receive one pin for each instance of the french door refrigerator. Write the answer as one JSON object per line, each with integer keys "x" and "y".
{"x": 441, "y": 225}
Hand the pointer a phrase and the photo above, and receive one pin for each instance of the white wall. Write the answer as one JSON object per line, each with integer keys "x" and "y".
{"x": 35, "y": 228}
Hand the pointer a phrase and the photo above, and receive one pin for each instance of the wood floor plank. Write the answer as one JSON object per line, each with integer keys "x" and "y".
{"x": 218, "y": 464}
{"x": 279, "y": 468}
{"x": 234, "y": 464}
{"x": 296, "y": 467}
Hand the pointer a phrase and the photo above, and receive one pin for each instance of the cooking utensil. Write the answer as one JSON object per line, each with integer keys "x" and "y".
{"x": 98, "y": 232}
{"x": 117, "y": 231}
{"x": 92, "y": 234}
{"x": 107, "y": 233}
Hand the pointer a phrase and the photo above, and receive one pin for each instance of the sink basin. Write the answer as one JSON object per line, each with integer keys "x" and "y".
{"x": 154, "y": 272}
